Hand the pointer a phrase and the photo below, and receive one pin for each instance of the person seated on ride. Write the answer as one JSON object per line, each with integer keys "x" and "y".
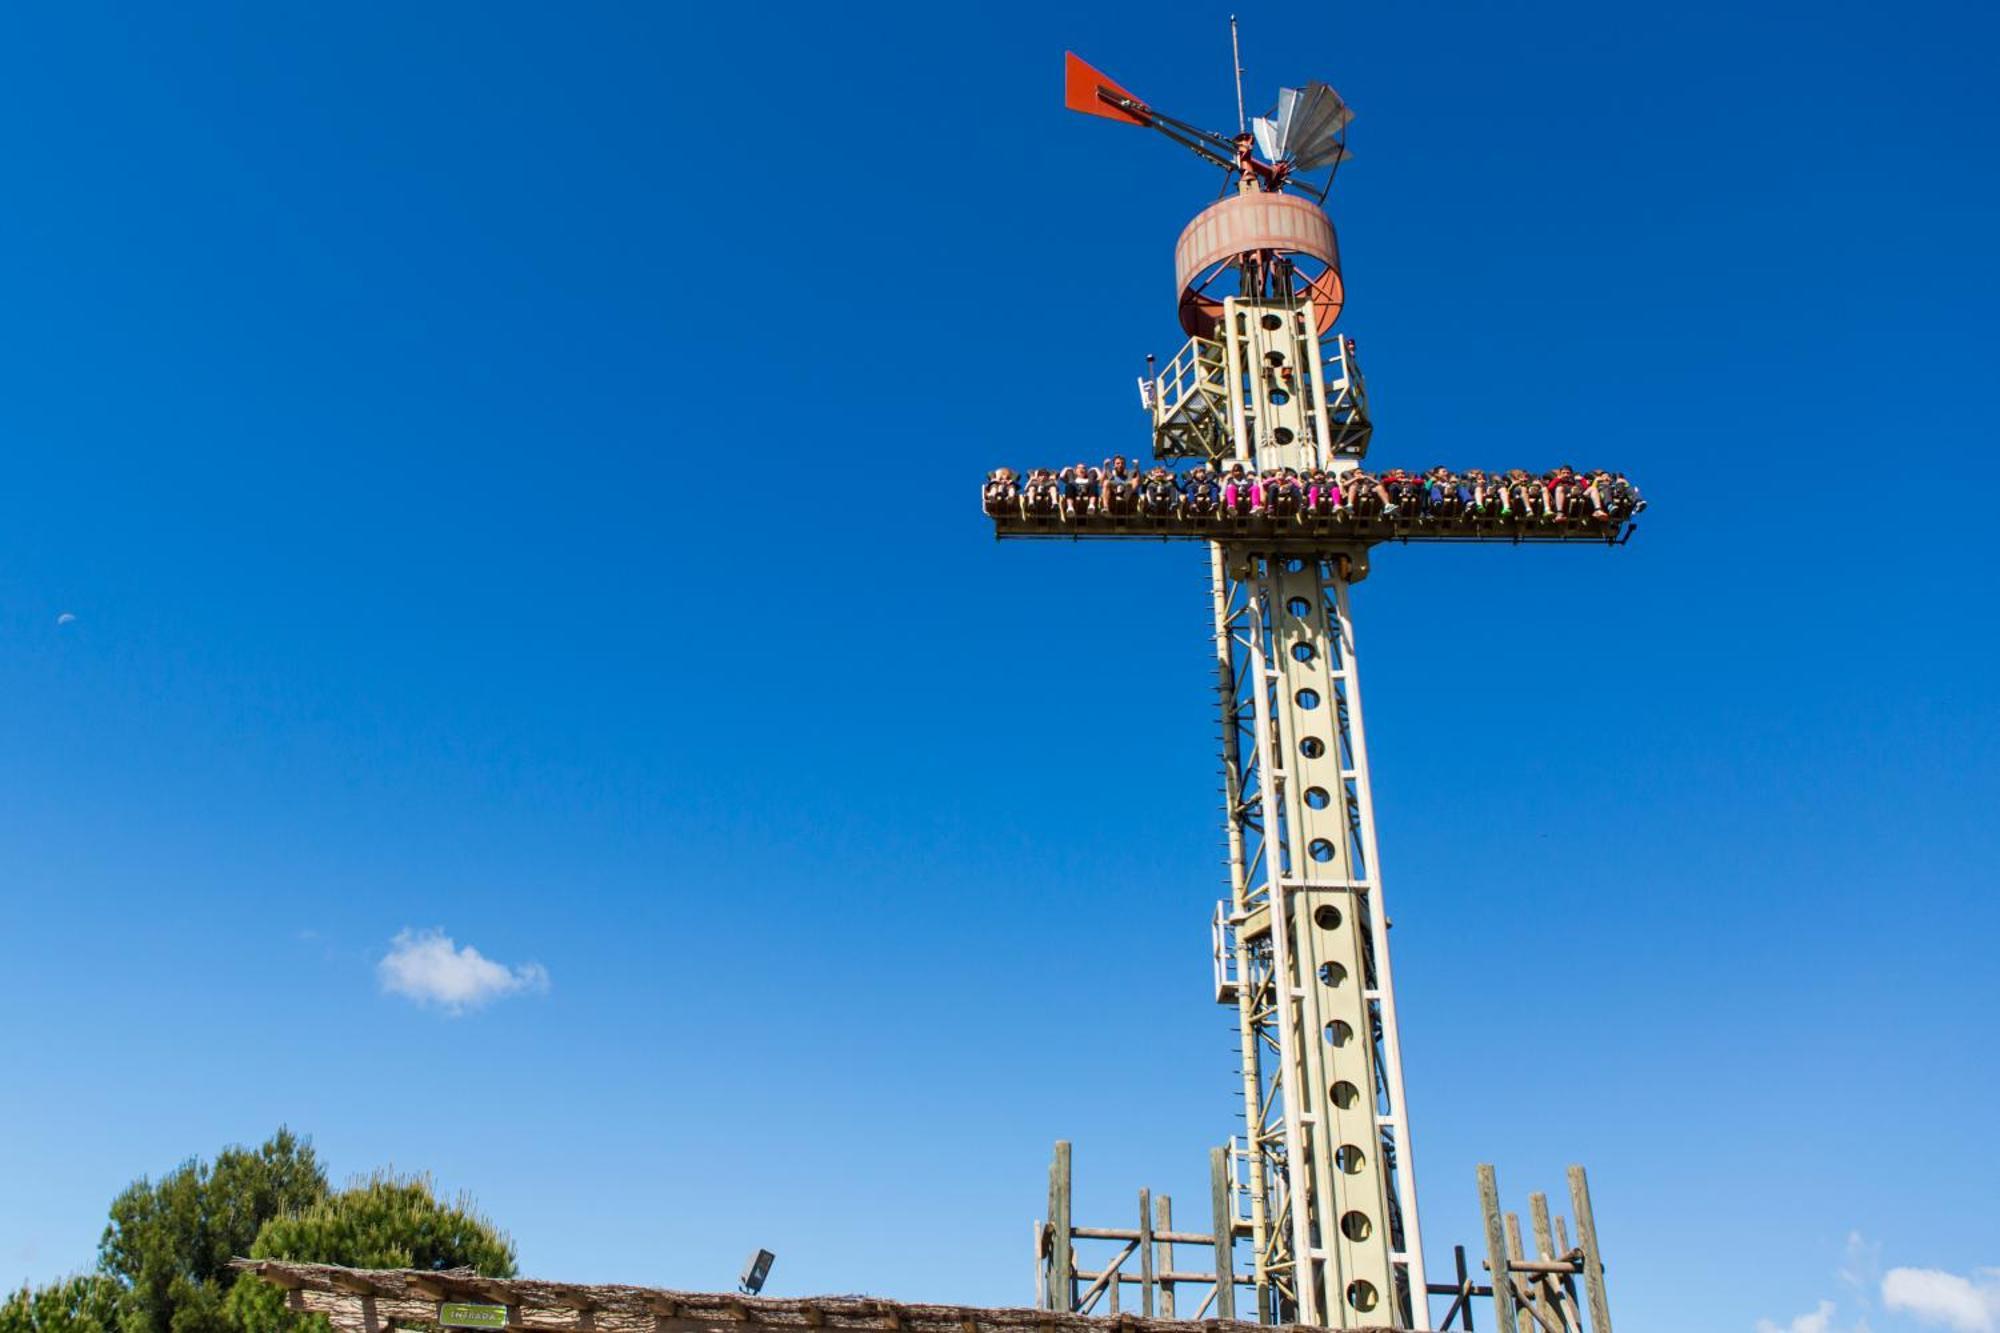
{"x": 1001, "y": 495}
{"x": 1560, "y": 491}
{"x": 1041, "y": 496}
{"x": 1444, "y": 494}
{"x": 1619, "y": 497}
{"x": 1323, "y": 498}
{"x": 1518, "y": 495}
{"x": 1080, "y": 483}
{"x": 1158, "y": 495}
{"x": 1200, "y": 491}
{"x": 1365, "y": 496}
{"x": 1281, "y": 492}
{"x": 1592, "y": 486}
{"x": 1120, "y": 487}
{"x": 1239, "y": 492}
{"x": 1479, "y": 493}
{"x": 1406, "y": 494}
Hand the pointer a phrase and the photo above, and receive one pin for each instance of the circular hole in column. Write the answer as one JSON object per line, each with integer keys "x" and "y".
{"x": 1333, "y": 974}
{"x": 1316, "y": 798}
{"x": 1312, "y": 747}
{"x": 1339, "y": 1033}
{"x": 1294, "y": 565}
{"x": 1299, "y": 607}
{"x": 1319, "y": 849}
{"x": 1282, "y": 435}
{"x": 1349, "y": 1159}
{"x": 1274, "y": 358}
{"x": 1304, "y": 652}
{"x": 1356, "y": 1226}
{"x": 1361, "y": 1294}
{"x": 1307, "y": 698}
{"x": 1272, "y": 322}
{"x": 1345, "y": 1095}
{"x": 1279, "y": 398}
{"x": 1326, "y": 918}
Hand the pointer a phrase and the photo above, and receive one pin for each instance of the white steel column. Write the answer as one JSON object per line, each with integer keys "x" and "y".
{"x": 1330, "y": 1192}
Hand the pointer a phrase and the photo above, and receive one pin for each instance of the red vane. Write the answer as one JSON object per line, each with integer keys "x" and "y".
{"x": 1083, "y": 85}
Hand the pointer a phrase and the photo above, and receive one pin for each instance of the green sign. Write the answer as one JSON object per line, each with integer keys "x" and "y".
{"x": 458, "y": 1314}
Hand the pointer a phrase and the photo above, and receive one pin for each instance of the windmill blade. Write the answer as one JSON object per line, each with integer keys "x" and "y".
{"x": 1306, "y": 126}
{"x": 1094, "y": 93}
{"x": 1270, "y": 141}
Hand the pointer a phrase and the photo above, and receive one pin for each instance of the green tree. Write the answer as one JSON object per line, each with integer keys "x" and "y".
{"x": 385, "y": 1221}
{"x": 87, "y": 1303}
{"x": 169, "y": 1242}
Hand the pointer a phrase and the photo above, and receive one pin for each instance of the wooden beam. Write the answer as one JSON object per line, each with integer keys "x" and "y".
{"x": 1163, "y": 1230}
{"x": 1593, "y": 1261}
{"x": 1062, "y": 1259}
{"x": 1504, "y": 1314}
{"x": 1146, "y": 1253}
{"x": 1225, "y": 1233}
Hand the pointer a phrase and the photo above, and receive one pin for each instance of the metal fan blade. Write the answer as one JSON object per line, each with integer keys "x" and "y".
{"x": 1269, "y": 141}
{"x": 1309, "y": 122}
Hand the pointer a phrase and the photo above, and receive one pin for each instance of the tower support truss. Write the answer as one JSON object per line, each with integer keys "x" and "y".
{"x": 1325, "y": 1183}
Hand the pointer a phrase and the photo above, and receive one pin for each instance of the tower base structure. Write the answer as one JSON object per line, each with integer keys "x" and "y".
{"x": 1557, "y": 1287}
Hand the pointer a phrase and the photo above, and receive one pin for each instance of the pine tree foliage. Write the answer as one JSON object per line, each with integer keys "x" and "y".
{"x": 163, "y": 1263}
{"x": 87, "y": 1303}
{"x": 383, "y": 1221}
{"x": 169, "y": 1242}
{"x": 389, "y": 1221}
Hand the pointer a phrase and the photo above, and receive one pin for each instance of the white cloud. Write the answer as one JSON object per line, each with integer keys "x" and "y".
{"x": 1861, "y": 1265}
{"x": 425, "y": 966}
{"x": 1818, "y": 1320}
{"x": 1970, "y": 1305}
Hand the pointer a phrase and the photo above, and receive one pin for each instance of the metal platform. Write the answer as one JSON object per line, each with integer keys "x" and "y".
{"x": 1312, "y": 533}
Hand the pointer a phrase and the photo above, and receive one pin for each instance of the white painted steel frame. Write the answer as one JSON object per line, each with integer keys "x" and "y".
{"x": 1282, "y": 1008}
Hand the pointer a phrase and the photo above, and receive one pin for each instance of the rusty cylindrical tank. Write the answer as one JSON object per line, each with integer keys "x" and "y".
{"x": 1286, "y": 224}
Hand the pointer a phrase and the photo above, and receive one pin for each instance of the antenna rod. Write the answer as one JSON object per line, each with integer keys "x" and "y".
{"x": 1236, "y": 58}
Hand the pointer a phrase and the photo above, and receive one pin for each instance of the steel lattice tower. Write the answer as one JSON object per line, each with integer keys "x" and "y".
{"x": 1322, "y": 1185}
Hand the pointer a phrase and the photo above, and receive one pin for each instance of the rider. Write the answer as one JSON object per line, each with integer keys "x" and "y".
{"x": 1042, "y": 495}
{"x": 1365, "y": 496}
{"x": 1120, "y": 486}
{"x": 1200, "y": 492}
{"x": 1001, "y": 494}
{"x": 1080, "y": 483}
{"x": 1281, "y": 492}
{"x": 1405, "y": 492}
{"x": 1159, "y": 495}
{"x": 1323, "y": 496}
{"x": 1444, "y": 494}
{"x": 1559, "y": 488}
{"x": 1239, "y": 492}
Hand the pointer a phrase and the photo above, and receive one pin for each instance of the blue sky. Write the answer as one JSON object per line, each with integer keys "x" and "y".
{"x": 454, "y": 430}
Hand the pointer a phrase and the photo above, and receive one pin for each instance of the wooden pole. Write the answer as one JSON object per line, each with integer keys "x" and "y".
{"x": 1225, "y": 1233}
{"x": 1146, "y": 1269}
{"x": 1496, "y": 1250}
{"x": 1593, "y": 1262}
{"x": 1062, "y": 1272}
{"x": 1524, "y": 1321}
{"x": 1569, "y": 1280}
{"x": 1461, "y": 1295}
{"x": 1545, "y": 1250}
{"x": 1163, "y": 1225}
